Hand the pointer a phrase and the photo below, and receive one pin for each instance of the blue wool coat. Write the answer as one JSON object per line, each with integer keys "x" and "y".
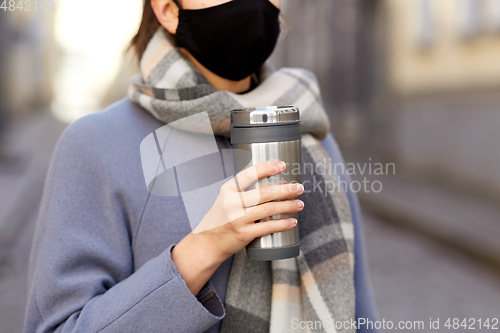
{"x": 101, "y": 254}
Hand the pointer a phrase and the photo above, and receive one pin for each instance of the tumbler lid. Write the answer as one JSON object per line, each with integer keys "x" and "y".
{"x": 265, "y": 116}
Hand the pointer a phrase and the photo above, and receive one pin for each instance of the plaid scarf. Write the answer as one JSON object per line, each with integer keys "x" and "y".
{"x": 281, "y": 295}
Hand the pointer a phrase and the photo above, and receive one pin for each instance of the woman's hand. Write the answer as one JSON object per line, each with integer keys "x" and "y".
{"x": 230, "y": 224}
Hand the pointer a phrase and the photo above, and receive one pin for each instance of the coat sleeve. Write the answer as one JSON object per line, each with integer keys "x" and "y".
{"x": 365, "y": 306}
{"x": 82, "y": 276}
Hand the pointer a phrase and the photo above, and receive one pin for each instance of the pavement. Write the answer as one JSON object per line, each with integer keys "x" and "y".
{"x": 433, "y": 250}
{"x": 416, "y": 278}
{"x": 431, "y": 254}
{"x": 465, "y": 222}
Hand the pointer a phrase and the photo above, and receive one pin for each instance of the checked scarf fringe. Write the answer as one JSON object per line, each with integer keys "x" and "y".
{"x": 274, "y": 296}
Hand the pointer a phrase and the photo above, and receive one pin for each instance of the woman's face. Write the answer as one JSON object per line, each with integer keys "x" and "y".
{"x": 255, "y": 39}
{"x": 199, "y": 4}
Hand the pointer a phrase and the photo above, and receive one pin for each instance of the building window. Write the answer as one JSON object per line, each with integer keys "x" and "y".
{"x": 492, "y": 15}
{"x": 469, "y": 18}
{"x": 426, "y": 27}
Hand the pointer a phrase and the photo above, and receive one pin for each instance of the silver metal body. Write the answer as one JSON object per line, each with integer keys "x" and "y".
{"x": 290, "y": 153}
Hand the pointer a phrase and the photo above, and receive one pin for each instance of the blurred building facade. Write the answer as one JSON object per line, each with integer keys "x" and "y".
{"x": 27, "y": 57}
{"x": 415, "y": 82}
{"x": 443, "y": 98}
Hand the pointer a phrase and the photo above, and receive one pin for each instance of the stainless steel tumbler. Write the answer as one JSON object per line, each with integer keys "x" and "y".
{"x": 270, "y": 133}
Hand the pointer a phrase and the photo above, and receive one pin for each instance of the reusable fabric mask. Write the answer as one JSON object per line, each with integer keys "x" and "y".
{"x": 232, "y": 39}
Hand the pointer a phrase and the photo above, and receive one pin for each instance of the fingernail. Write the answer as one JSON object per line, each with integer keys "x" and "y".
{"x": 294, "y": 221}
{"x": 300, "y": 204}
{"x": 299, "y": 187}
{"x": 281, "y": 165}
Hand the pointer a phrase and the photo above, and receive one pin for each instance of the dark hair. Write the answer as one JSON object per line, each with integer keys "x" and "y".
{"x": 148, "y": 27}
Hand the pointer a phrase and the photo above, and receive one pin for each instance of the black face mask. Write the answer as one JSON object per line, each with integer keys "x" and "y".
{"x": 232, "y": 39}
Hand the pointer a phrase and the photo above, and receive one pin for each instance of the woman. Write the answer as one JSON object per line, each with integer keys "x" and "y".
{"x": 109, "y": 256}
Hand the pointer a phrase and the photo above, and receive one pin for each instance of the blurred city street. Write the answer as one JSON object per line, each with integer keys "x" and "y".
{"x": 25, "y": 154}
{"x": 414, "y": 276}
{"x": 412, "y": 83}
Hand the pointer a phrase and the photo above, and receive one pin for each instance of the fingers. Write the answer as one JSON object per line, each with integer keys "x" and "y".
{"x": 272, "y": 192}
{"x": 269, "y": 227}
{"x": 251, "y": 174}
{"x": 273, "y": 208}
